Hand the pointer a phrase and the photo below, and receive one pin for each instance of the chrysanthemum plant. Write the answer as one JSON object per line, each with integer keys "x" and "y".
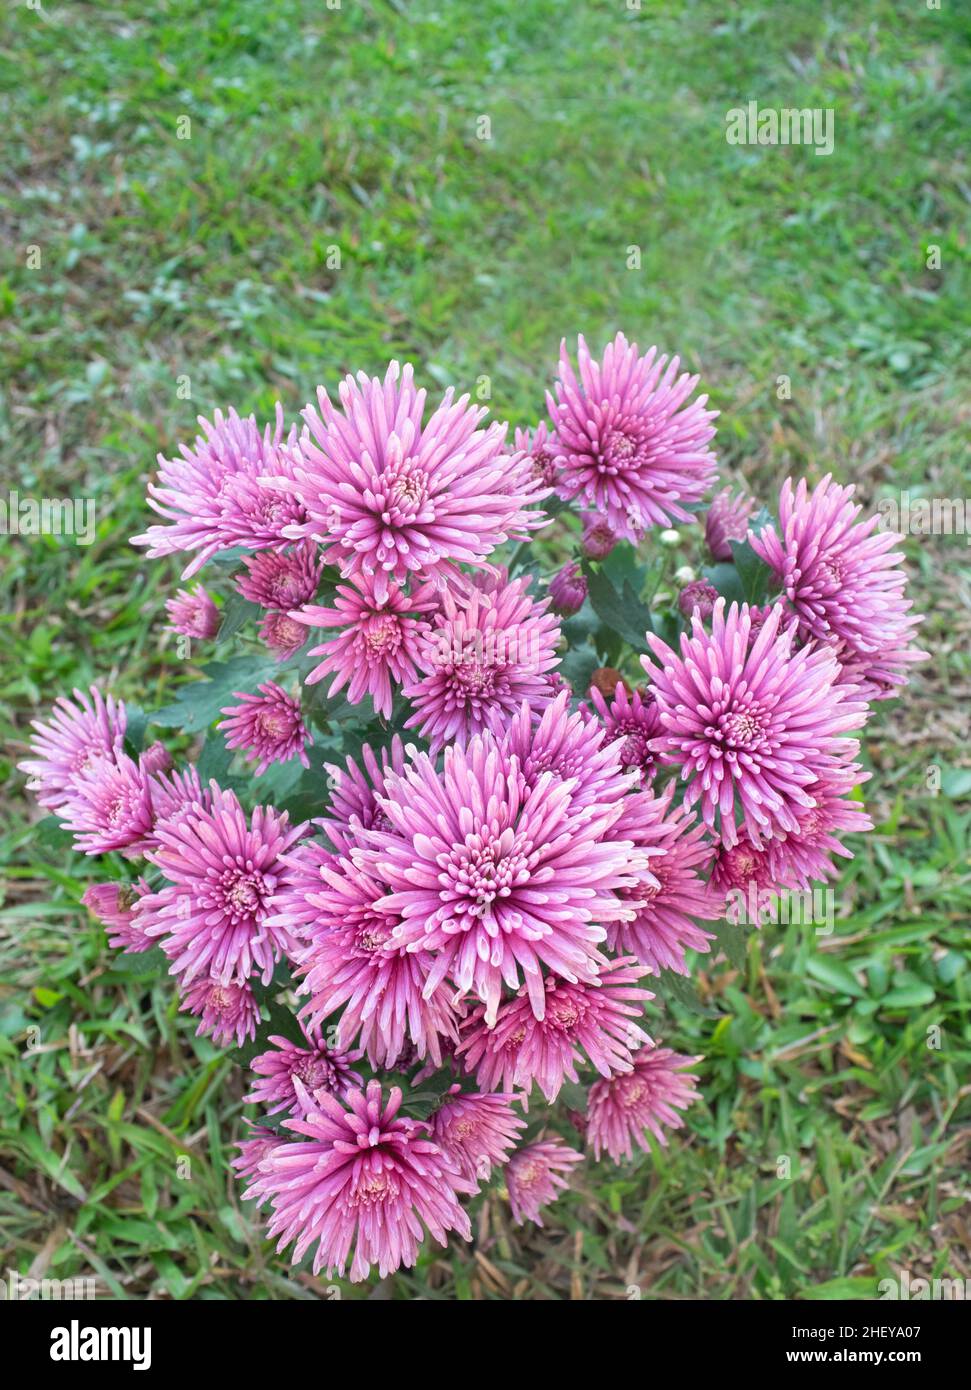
{"x": 468, "y": 765}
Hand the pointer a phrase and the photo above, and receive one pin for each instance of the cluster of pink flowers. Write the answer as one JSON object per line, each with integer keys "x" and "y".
{"x": 474, "y": 912}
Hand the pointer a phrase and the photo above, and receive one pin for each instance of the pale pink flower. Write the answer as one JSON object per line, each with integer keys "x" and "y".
{"x": 633, "y": 445}
{"x": 362, "y": 1177}
{"x": 535, "y": 1177}
{"x": 78, "y": 733}
{"x": 193, "y": 613}
{"x": 622, "y": 1110}
{"x": 269, "y": 726}
{"x": 376, "y": 641}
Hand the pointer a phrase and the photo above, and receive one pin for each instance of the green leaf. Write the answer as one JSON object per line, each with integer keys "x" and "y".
{"x": 754, "y": 574}
{"x": 732, "y": 939}
{"x": 198, "y": 703}
{"x": 237, "y": 613}
{"x": 141, "y": 963}
{"x": 908, "y": 997}
{"x": 834, "y": 974}
{"x": 622, "y": 612}
{"x": 683, "y": 991}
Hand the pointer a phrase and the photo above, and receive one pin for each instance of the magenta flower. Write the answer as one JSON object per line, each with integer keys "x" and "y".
{"x": 495, "y": 878}
{"x": 228, "y": 1013}
{"x": 155, "y": 758}
{"x": 673, "y": 897}
{"x": 283, "y": 634}
{"x": 377, "y": 641}
{"x": 212, "y": 498}
{"x": 355, "y": 792}
{"x": 485, "y": 654}
{"x": 192, "y": 613}
{"x": 571, "y": 747}
{"x": 534, "y": 1177}
{"x": 802, "y": 856}
{"x": 542, "y": 448}
{"x": 268, "y": 726}
{"x": 599, "y": 537}
{"x": 568, "y": 589}
{"x": 113, "y": 904}
{"x": 223, "y": 869}
{"x": 698, "y": 597}
{"x": 632, "y": 721}
{"x": 352, "y": 961}
{"x": 840, "y": 575}
{"x": 476, "y": 1131}
{"x": 79, "y": 733}
{"x": 622, "y": 1109}
{"x": 282, "y": 578}
{"x": 750, "y": 723}
{"x": 633, "y": 447}
{"x": 521, "y": 1049}
{"x": 391, "y": 495}
{"x": 290, "y": 902}
{"x": 254, "y": 1149}
{"x": 172, "y": 792}
{"x": 292, "y": 1077}
{"x": 362, "y": 1177}
{"x": 727, "y": 520}
{"x": 110, "y": 807}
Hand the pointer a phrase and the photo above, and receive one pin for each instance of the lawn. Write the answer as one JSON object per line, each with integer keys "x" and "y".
{"x": 232, "y": 206}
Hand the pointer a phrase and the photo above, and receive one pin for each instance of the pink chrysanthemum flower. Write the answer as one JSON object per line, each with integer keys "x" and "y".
{"x": 155, "y": 758}
{"x": 748, "y": 879}
{"x": 352, "y": 962}
{"x": 632, "y": 721}
{"x": 172, "y": 792}
{"x": 291, "y": 900}
{"x": 391, "y": 496}
{"x": 672, "y": 899}
{"x": 751, "y": 723}
{"x": 804, "y": 855}
{"x": 269, "y": 726}
{"x": 283, "y": 634}
{"x": 110, "y": 807}
{"x": 477, "y": 1131}
{"x": 633, "y": 446}
{"x": 534, "y": 1177}
{"x": 113, "y": 904}
{"x": 727, "y": 520}
{"x": 212, "y": 917}
{"x": 541, "y": 446}
{"x": 622, "y": 1109}
{"x": 193, "y": 613}
{"x": 253, "y": 1149}
{"x": 228, "y": 1013}
{"x": 355, "y": 792}
{"x": 495, "y": 878}
{"x": 293, "y": 1077}
{"x": 568, "y": 589}
{"x": 376, "y": 642}
{"x": 599, "y": 537}
{"x": 364, "y": 1177}
{"x": 571, "y": 747}
{"x": 282, "y": 578}
{"x": 698, "y": 597}
{"x": 485, "y": 654}
{"x": 840, "y": 575}
{"x": 79, "y": 733}
{"x": 212, "y": 497}
{"x": 521, "y": 1049}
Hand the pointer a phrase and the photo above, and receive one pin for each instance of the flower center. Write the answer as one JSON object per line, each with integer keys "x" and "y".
{"x": 244, "y": 892}
{"x": 742, "y": 728}
{"x": 381, "y": 634}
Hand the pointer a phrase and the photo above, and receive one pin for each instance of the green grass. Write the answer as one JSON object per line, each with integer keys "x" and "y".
{"x": 208, "y": 258}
